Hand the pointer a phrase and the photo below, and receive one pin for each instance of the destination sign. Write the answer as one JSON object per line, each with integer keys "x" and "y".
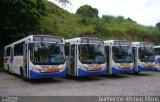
{"x": 122, "y": 43}
{"x": 48, "y": 39}
{"x": 92, "y": 40}
{"x": 146, "y": 44}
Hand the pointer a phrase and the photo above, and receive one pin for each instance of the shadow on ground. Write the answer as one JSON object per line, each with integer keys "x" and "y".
{"x": 141, "y": 74}
{"x": 83, "y": 79}
{"x": 115, "y": 76}
{"x": 44, "y": 81}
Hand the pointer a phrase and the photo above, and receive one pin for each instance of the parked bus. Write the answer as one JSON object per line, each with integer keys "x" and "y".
{"x": 157, "y": 57}
{"x": 144, "y": 57}
{"x": 119, "y": 56}
{"x": 85, "y": 56}
{"x": 36, "y": 56}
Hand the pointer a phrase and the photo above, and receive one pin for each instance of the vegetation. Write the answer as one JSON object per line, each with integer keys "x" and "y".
{"x": 87, "y": 11}
{"x": 1, "y": 69}
{"x": 87, "y": 23}
{"x": 20, "y": 18}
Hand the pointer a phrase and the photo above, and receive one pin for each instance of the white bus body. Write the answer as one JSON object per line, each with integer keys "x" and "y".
{"x": 36, "y": 56}
{"x": 157, "y": 57}
{"x": 144, "y": 58}
{"x": 85, "y": 56}
{"x": 119, "y": 56}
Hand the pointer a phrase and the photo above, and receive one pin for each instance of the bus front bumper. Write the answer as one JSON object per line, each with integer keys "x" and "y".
{"x": 37, "y": 75}
{"x": 121, "y": 71}
{"x": 140, "y": 68}
{"x": 82, "y": 72}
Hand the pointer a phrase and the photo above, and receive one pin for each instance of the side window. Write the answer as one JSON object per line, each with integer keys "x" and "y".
{"x": 107, "y": 55}
{"x": 4, "y": 52}
{"x": 8, "y": 51}
{"x": 67, "y": 49}
{"x": 157, "y": 51}
{"x": 21, "y": 48}
{"x": 72, "y": 50}
{"x": 107, "y": 51}
{"x": 18, "y": 49}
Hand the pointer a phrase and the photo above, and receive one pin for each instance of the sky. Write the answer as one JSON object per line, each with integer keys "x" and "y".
{"x": 146, "y": 12}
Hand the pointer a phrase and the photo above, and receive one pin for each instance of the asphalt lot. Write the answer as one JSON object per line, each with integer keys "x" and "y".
{"x": 146, "y": 83}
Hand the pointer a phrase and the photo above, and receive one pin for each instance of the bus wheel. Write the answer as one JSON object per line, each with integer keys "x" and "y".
{"x": 137, "y": 72}
{"x": 8, "y": 70}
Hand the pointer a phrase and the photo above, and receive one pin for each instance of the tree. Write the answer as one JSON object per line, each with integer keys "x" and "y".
{"x": 87, "y": 11}
{"x": 158, "y": 25}
{"x": 19, "y": 17}
{"x": 64, "y": 2}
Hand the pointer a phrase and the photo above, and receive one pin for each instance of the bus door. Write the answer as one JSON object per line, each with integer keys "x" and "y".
{"x": 11, "y": 59}
{"x": 107, "y": 57}
{"x": 25, "y": 59}
{"x": 135, "y": 58}
{"x": 73, "y": 59}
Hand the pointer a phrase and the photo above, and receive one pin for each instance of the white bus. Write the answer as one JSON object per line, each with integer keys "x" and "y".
{"x": 157, "y": 57}
{"x": 119, "y": 56}
{"x": 85, "y": 56}
{"x": 144, "y": 58}
{"x": 36, "y": 56}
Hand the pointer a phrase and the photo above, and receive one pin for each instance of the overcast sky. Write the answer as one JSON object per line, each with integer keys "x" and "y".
{"x": 146, "y": 12}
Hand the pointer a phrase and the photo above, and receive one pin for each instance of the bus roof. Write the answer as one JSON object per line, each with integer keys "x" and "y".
{"x": 117, "y": 42}
{"x": 142, "y": 44}
{"x": 156, "y": 46}
{"x": 82, "y": 40}
{"x": 30, "y": 38}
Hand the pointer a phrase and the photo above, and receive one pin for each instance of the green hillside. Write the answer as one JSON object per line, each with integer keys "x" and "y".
{"x": 62, "y": 23}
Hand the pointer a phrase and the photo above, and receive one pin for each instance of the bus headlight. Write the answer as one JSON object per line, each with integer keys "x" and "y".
{"x": 62, "y": 67}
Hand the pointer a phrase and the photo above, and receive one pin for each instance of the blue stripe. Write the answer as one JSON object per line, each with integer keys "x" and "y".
{"x": 82, "y": 72}
{"x": 121, "y": 71}
{"x": 140, "y": 68}
{"x": 36, "y": 75}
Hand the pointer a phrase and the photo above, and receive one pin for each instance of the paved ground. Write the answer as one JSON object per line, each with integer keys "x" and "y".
{"x": 146, "y": 83}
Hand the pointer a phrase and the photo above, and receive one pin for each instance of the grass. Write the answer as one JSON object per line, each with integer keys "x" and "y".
{"x": 60, "y": 22}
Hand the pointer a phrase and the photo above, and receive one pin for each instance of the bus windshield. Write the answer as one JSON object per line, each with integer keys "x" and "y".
{"x": 47, "y": 53}
{"x": 91, "y": 53}
{"x": 122, "y": 54}
{"x": 146, "y": 54}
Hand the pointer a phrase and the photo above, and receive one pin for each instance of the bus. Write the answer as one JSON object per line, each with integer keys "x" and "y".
{"x": 36, "y": 56}
{"x": 85, "y": 56}
{"x": 144, "y": 57}
{"x": 157, "y": 57}
{"x": 119, "y": 57}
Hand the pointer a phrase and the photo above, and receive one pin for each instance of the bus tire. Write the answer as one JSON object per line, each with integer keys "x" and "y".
{"x": 8, "y": 70}
{"x": 137, "y": 72}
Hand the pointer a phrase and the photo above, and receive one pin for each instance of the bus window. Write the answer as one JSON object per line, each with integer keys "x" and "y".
{"x": 8, "y": 51}
{"x": 107, "y": 55}
{"x": 157, "y": 51}
{"x": 67, "y": 49}
{"x": 18, "y": 49}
